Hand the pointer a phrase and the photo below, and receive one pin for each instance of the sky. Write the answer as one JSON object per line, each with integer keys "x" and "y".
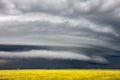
{"x": 63, "y": 33}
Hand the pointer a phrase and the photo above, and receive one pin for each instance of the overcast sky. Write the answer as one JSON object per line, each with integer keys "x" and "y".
{"x": 70, "y": 23}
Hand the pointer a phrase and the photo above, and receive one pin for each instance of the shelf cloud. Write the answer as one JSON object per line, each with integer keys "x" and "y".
{"x": 52, "y": 55}
{"x": 89, "y": 24}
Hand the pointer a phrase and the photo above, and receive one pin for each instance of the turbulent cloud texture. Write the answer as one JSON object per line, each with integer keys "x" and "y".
{"x": 90, "y": 24}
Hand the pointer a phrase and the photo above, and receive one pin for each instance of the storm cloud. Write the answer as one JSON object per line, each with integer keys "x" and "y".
{"x": 93, "y": 26}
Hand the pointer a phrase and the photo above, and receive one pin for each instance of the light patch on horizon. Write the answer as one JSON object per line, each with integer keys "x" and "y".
{"x": 4, "y": 61}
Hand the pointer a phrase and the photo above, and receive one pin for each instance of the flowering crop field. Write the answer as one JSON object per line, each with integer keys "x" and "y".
{"x": 60, "y": 74}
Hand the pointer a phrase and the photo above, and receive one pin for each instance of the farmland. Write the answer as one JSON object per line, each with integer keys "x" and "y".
{"x": 60, "y": 74}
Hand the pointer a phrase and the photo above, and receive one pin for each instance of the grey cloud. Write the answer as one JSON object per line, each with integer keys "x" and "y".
{"x": 37, "y": 31}
{"x": 8, "y": 8}
{"x": 72, "y": 32}
{"x": 104, "y": 12}
{"x": 45, "y": 6}
{"x": 3, "y": 6}
{"x": 53, "y": 55}
{"x": 90, "y": 24}
{"x": 101, "y": 11}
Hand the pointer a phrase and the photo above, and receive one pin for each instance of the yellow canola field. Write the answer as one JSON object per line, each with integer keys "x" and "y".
{"x": 60, "y": 74}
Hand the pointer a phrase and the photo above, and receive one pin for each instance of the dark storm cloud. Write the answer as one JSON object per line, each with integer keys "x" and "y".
{"x": 24, "y": 56}
{"x": 91, "y": 25}
{"x": 94, "y": 54}
{"x": 49, "y": 52}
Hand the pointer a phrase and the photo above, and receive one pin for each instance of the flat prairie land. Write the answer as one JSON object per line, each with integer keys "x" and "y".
{"x": 60, "y": 74}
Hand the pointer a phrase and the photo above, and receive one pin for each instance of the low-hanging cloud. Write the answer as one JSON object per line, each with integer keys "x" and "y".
{"x": 61, "y": 55}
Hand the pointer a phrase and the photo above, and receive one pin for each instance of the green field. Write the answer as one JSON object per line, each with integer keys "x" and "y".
{"x": 59, "y": 74}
